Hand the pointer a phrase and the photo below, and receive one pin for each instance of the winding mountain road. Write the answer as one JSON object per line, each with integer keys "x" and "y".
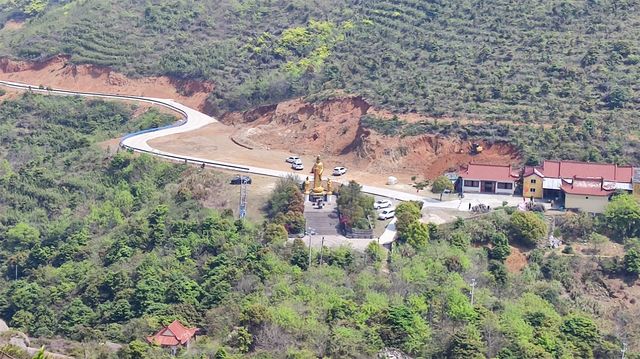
{"x": 192, "y": 120}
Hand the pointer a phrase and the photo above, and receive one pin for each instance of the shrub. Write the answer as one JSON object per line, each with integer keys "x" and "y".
{"x": 440, "y": 184}
{"x": 528, "y": 228}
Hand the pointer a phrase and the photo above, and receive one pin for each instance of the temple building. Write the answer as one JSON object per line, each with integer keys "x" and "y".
{"x": 174, "y": 336}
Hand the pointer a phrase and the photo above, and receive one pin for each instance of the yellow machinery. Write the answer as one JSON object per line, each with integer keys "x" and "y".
{"x": 476, "y": 149}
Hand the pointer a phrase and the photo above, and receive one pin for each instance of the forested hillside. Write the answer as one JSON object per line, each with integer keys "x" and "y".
{"x": 573, "y": 63}
{"x": 570, "y": 66}
{"x": 95, "y": 247}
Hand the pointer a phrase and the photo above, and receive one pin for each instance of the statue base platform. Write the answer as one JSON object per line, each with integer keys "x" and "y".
{"x": 315, "y": 196}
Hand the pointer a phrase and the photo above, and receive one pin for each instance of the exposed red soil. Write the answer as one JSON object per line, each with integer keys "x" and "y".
{"x": 516, "y": 261}
{"x": 59, "y": 72}
{"x": 13, "y": 25}
{"x": 332, "y": 128}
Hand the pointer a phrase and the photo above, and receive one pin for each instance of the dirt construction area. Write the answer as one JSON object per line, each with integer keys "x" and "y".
{"x": 265, "y": 136}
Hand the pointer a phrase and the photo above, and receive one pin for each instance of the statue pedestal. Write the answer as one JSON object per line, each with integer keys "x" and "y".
{"x": 314, "y": 196}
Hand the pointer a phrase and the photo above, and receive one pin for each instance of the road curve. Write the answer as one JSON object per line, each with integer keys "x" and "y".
{"x": 192, "y": 120}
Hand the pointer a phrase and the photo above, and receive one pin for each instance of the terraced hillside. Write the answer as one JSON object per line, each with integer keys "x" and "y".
{"x": 571, "y": 66}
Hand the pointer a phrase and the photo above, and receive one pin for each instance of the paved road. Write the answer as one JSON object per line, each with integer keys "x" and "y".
{"x": 193, "y": 120}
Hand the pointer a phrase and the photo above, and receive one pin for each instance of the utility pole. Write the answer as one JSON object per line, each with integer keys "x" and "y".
{"x": 624, "y": 349}
{"x": 473, "y": 289}
{"x": 309, "y": 231}
{"x": 321, "y": 249}
{"x": 242, "y": 207}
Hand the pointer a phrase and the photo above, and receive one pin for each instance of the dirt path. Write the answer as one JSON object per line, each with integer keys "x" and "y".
{"x": 59, "y": 72}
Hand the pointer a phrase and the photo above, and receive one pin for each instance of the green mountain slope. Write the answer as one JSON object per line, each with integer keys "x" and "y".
{"x": 574, "y": 63}
{"x": 97, "y": 247}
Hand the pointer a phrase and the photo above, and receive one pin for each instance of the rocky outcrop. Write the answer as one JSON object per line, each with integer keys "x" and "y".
{"x": 391, "y": 353}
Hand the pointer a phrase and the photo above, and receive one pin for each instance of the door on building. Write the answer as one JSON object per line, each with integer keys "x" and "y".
{"x": 488, "y": 187}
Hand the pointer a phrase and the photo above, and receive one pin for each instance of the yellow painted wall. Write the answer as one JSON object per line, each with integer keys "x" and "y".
{"x": 527, "y": 186}
{"x": 636, "y": 190}
{"x": 591, "y": 204}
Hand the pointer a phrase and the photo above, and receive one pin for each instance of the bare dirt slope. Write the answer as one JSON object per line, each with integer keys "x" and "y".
{"x": 58, "y": 72}
{"x": 332, "y": 128}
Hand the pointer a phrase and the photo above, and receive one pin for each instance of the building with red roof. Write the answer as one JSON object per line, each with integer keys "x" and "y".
{"x": 579, "y": 185}
{"x": 587, "y": 194}
{"x": 487, "y": 178}
{"x": 173, "y": 336}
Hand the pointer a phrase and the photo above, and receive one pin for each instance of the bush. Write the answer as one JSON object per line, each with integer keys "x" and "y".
{"x": 527, "y": 228}
{"x": 441, "y": 184}
{"x": 355, "y": 207}
{"x": 406, "y": 214}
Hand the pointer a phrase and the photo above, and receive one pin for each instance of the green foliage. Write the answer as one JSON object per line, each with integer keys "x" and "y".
{"x": 401, "y": 327}
{"x": 441, "y": 184}
{"x": 374, "y": 252}
{"x": 241, "y": 339}
{"x": 286, "y": 205}
{"x": 168, "y": 258}
{"x": 275, "y": 234}
{"x": 39, "y": 354}
{"x": 439, "y": 58}
{"x": 501, "y": 249}
{"x": 355, "y": 207}
{"x": 466, "y": 343}
{"x": 528, "y": 228}
{"x": 406, "y": 214}
{"x": 417, "y": 235}
{"x": 632, "y": 262}
{"x": 21, "y": 236}
{"x": 460, "y": 239}
{"x": 299, "y": 254}
{"x": 623, "y": 216}
{"x": 389, "y": 127}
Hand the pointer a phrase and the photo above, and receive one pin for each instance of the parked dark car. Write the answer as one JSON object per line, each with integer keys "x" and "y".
{"x": 241, "y": 179}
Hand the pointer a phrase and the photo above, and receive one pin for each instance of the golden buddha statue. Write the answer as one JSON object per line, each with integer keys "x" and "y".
{"x": 307, "y": 186}
{"x": 318, "y": 169}
{"x": 329, "y": 186}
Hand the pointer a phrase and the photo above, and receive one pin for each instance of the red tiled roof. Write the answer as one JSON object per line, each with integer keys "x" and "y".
{"x": 587, "y": 187}
{"x": 172, "y": 335}
{"x": 570, "y": 169}
{"x": 486, "y": 172}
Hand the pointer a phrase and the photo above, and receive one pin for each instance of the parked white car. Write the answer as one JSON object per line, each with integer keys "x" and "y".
{"x": 382, "y": 203}
{"x": 293, "y": 159}
{"x": 387, "y": 214}
{"x": 297, "y": 166}
{"x": 339, "y": 171}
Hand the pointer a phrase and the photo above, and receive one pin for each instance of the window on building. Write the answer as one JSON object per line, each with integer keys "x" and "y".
{"x": 503, "y": 185}
{"x": 532, "y": 190}
{"x": 468, "y": 183}
{"x": 534, "y": 181}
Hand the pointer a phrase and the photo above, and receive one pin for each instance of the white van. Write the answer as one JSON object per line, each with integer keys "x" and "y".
{"x": 387, "y": 214}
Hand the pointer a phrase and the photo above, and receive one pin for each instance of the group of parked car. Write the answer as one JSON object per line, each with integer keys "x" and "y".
{"x": 296, "y": 164}
{"x": 385, "y": 209}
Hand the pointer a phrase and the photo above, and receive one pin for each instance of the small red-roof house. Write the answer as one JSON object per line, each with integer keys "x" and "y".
{"x": 173, "y": 336}
{"x": 584, "y": 186}
{"x": 587, "y": 194}
{"x": 487, "y": 178}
